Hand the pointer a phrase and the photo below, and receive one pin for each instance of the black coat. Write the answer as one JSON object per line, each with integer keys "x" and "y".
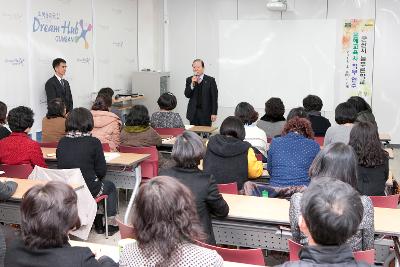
{"x": 87, "y": 154}
{"x": 319, "y": 124}
{"x": 207, "y": 104}
{"x": 372, "y": 181}
{"x": 17, "y": 255}
{"x": 327, "y": 256}
{"x": 4, "y": 132}
{"x": 226, "y": 159}
{"x": 208, "y": 199}
{"x": 54, "y": 89}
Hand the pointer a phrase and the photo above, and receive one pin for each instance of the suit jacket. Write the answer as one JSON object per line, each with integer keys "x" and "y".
{"x": 54, "y": 89}
{"x": 205, "y": 191}
{"x": 209, "y": 98}
{"x": 18, "y": 255}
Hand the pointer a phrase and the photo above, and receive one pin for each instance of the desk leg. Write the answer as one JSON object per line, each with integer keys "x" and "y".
{"x": 138, "y": 178}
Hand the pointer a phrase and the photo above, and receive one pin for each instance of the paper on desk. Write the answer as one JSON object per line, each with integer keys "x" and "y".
{"x": 111, "y": 155}
{"x": 1, "y": 172}
{"x": 187, "y": 127}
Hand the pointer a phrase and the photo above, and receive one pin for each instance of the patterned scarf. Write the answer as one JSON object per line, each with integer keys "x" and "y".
{"x": 75, "y": 134}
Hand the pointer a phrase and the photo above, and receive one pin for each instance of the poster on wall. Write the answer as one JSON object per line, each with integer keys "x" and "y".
{"x": 357, "y": 52}
{"x": 61, "y": 29}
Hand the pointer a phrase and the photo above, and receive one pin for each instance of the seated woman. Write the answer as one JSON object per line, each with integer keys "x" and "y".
{"x": 273, "y": 121}
{"x": 48, "y": 213}
{"x": 53, "y": 125}
{"x": 187, "y": 152}
{"x": 79, "y": 149}
{"x": 373, "y": 160}
{"x": 345, "y": 116}
{"x": 165, "y": 118}
{"x": 230, "y": 159}
{"x": 297, "y": 112}
{"x": 291, "y": 155}
{"x": 167, "y": 228}
{"x": 337, "y": 161}
{"x": 254, "y": 135}
{"x": 137, "y": 131}
{"x": 4, "y": 132}
{"x": 107, "y": 125}
{"x": 313, "y": 105}
{"x": 364, "y": 110}
{"x": 18, "y": 147}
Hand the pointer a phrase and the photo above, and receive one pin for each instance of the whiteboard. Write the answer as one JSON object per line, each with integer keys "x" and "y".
{"x": 290, "y": 59}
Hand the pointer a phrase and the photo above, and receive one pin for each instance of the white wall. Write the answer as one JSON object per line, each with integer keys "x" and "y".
{"x": 193, "y": 32}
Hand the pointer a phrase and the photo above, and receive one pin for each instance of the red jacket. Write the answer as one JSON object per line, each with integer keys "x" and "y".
{"x": 18, "y": 148}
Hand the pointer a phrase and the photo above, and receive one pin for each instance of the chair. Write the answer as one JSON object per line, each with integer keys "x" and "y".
{"x": 126, "y": 231}
{"x": 169, "y": 131}
{"x": 21, "y": 171}
{"x": 319, "y": 140}
{"x": 390, "y": 201}
{"x": 230, "y": 188}
{"x": 294, "y": 249}
{"x": 248, "y": 256}
{"x": 258, "y": 157}
{"x": 98, "y": 200}
{"x": 106, "y": 147}
{"x": 49, "y": 144}
{"x": 367, "y": 256}
{"x": 150, "y": 165}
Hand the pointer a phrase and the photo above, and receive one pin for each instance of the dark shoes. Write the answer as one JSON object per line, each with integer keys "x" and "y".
{"x": 100, "y": 228}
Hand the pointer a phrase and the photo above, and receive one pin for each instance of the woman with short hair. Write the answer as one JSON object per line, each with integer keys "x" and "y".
{"x": 53, "y": 124}
{"x": 107, "y": 125}
{"x": 345, "y": 116}
{"x": 137, "y": 131}
{"x": 338, "y": 161}
{"x": 273, "y": 121}
{"x": 4, "y": 132}
{"x": 187, "y": 152}
{"x": 313, "y": 105}
{"x": 364, "y": 110}
{"x": 18, "y": 147}
{"x": 373, "y": 160}
{"x": 254, "y": 135}
{"x": 167, "y": 228}
{"x": 166, "y": 118}
{"x": 79, "y": 149}
{"x": 48, "y": 213}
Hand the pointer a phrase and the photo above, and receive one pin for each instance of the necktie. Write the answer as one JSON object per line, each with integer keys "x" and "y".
{"x": 199, "y": 80}
{"x": 62, "y": 82}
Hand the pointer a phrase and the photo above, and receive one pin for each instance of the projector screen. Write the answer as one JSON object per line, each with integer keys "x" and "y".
{"x": 259, "y": 59}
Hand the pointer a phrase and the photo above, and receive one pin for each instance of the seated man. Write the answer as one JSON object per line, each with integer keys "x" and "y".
{"x": 331, "y": 212}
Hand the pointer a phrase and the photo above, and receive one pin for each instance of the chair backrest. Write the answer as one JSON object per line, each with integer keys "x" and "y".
{"x": 150, "y": 165}
{"x": 49, "y": 144}
{"x": 230, "y": 188}
{"x": 294, "y": 249}
{"x": 21, "y": 171}
{"x": 319, "y": 140}
{"x": 269, "y": 140}
{"x": 248, "y": 256}
{"x": 385, "y": 201}
{"x": 367, "y": 256}
{"x": 259, "y": 157}
{"x": 169, "y": 131}
{"x": 106, "y": 147}
{"x": 126, "y": 231}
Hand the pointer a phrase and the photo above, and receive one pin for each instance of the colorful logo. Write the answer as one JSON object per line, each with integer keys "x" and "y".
{"x": 83, "y": 33}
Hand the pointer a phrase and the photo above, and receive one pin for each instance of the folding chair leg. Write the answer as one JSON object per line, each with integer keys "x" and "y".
{"x": 106, "y": 216}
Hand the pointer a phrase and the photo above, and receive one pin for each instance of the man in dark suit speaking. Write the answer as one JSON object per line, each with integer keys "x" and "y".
{"x": 57, "y": 86}
{"x": 202, "y": 92}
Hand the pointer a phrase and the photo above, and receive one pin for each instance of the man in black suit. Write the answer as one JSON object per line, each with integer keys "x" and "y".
{"x": 202, "y": 92}
{"x": 57, "y": 86}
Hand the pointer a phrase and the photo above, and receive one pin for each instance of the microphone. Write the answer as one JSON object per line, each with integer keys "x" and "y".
{"x": 197, "y": 77}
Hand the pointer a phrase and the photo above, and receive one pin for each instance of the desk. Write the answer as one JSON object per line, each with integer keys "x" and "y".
{"x": 390, "y": 152}
{"x": 204, "y": 131}
{"x": 122, "y": 178}
{"x": 264, "y": 222}
{"x": 385, "y": 137}
{"x": 10, "y": 209}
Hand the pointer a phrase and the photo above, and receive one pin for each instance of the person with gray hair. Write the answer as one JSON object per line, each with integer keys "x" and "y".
{"x": 187, "y": 152}
{"x": 331, "y": 212}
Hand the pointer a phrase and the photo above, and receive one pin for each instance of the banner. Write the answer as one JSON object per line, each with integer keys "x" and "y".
{"x": 61, "y": 29}
{"x": 357, "y": 52}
